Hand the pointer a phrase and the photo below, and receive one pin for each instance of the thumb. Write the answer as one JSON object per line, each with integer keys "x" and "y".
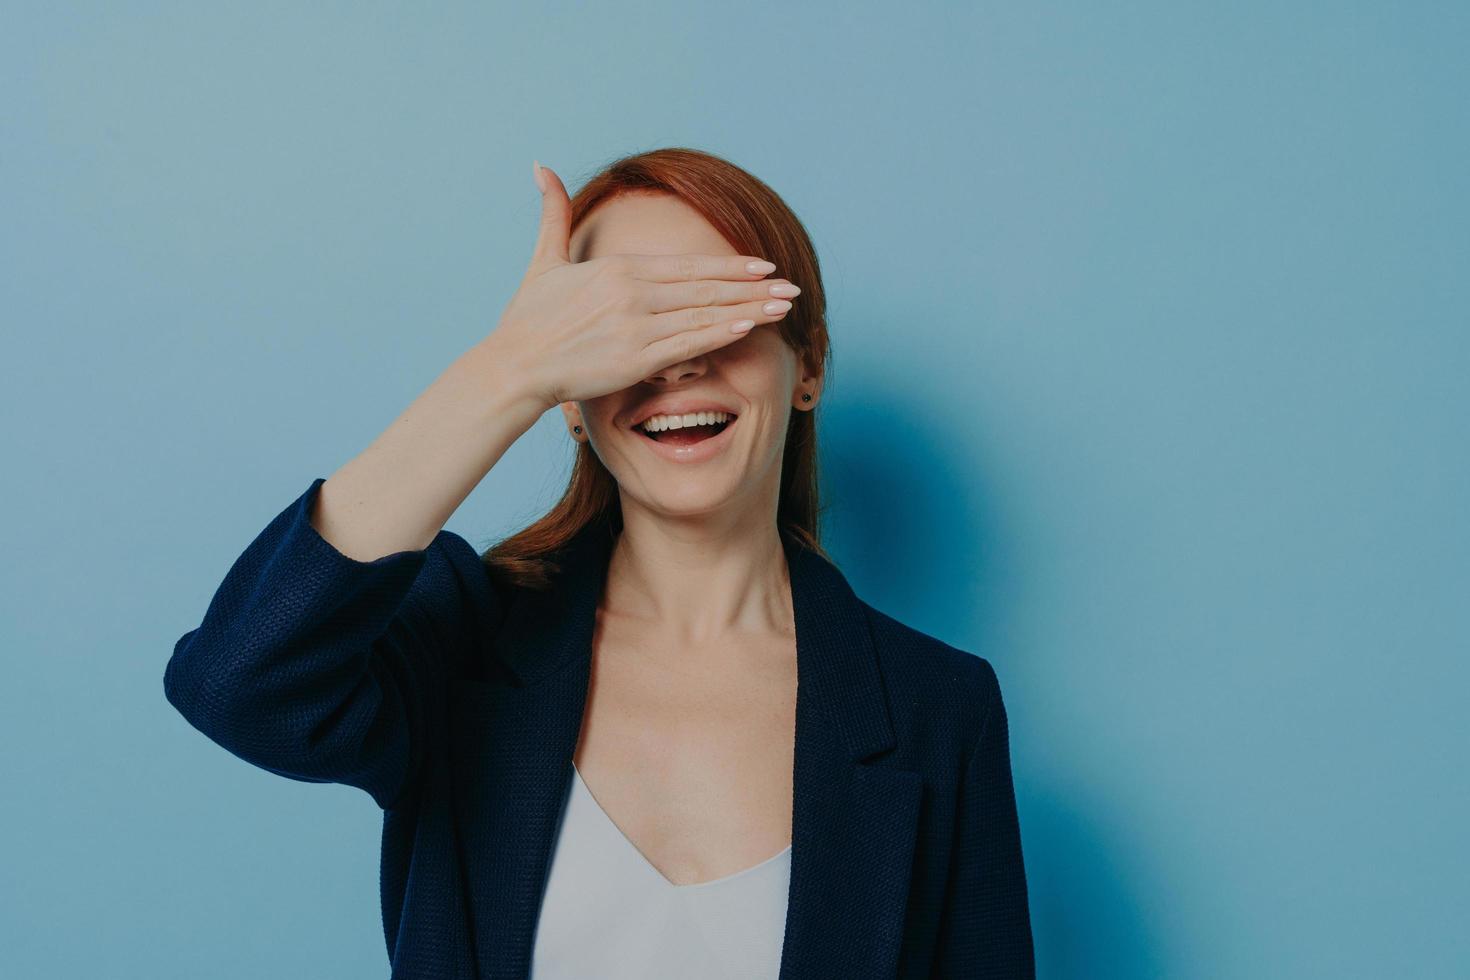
{"x": 554, "y": 239}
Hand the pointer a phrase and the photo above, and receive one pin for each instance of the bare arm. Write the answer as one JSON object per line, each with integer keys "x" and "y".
{"x": 398, "y": 492}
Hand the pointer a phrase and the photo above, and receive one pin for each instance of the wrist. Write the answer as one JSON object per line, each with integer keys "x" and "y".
{"x": 508, "y": 383}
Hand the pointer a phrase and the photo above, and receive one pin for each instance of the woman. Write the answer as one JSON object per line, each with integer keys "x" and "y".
{"x": 589, "y": 745}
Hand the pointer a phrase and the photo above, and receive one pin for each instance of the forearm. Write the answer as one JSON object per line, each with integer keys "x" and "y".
{"x": 397, "y": 493}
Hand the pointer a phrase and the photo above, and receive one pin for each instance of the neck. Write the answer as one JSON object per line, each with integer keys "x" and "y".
{"x": 698, "y": 581}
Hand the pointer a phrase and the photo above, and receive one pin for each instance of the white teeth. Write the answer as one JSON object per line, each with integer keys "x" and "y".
{"x": 659, "y": 423}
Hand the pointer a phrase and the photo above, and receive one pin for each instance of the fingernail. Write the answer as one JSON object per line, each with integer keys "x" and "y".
{"x": 760, "y": 267}
{"x": 540, "y": 177}
{"x": 740, "y": 326}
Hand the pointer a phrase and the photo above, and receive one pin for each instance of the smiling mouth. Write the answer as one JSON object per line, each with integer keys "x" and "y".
{"x": 688, "y": 435}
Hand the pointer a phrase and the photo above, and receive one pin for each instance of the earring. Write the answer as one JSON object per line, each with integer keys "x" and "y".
{"x": 576, "y": 428}
{"x": 806, "y": 397}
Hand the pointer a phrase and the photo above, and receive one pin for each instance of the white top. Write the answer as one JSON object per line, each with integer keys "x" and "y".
{"x": 608, "y": 913}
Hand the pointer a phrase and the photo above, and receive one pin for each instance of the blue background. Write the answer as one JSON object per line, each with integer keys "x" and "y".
{"x": 1151, "y": 347}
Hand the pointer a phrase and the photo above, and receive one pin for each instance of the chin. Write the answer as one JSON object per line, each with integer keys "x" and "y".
{"x": 696, "y": 502}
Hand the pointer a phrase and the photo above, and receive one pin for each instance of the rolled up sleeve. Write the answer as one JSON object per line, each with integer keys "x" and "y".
{"x": 323, "y": 668}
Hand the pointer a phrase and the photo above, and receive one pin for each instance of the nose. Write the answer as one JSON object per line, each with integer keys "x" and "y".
{"x": 686, "y": 370}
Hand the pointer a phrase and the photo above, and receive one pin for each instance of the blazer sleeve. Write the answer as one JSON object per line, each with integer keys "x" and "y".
{"x": 322, "y": 668}
{"x": 985, "y": 927}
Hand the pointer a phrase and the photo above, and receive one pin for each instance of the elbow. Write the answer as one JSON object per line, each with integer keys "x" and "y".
{"x": 179, "y": 677}
{"x": 201, "y": 688}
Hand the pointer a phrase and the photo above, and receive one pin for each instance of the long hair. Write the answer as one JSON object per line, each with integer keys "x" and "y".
{"x": 755, "y": 221}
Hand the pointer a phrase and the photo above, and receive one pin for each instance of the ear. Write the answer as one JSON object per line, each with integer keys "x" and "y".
{"x": 810, "y": 384}
{"x": 573, "y": 416}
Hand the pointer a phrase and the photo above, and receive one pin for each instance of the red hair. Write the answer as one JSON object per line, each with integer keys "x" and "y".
{"x": 755, "y": 221}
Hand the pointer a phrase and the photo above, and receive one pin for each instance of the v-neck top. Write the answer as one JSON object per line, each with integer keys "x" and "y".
{"x": 608, "y": 913}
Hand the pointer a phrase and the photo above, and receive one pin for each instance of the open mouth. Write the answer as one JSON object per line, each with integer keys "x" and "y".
{"x": 689, "y": 434}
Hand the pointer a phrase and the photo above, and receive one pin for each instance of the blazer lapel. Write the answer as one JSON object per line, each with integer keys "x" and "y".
{"x": 853, "y": 820}
{"x": 513, "y": 742}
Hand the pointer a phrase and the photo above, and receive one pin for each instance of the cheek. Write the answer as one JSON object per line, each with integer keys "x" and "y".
{"x": 766, "y": 369}
{"x": 601, "y": 413}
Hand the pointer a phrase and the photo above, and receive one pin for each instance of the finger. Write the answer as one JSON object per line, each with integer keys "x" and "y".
{"x": 693, "y": 343}
{"x": 696, "y": 318}
{"x": 666, "y": 296}
{"x": 553, "y": 241}
{"x": 696, "y": 265}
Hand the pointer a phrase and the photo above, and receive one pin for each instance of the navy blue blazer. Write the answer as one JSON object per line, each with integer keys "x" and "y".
{"x": 456, "y": 702}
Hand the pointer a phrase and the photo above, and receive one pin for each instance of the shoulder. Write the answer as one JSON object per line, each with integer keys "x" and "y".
{"x": 939, "y": 695}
